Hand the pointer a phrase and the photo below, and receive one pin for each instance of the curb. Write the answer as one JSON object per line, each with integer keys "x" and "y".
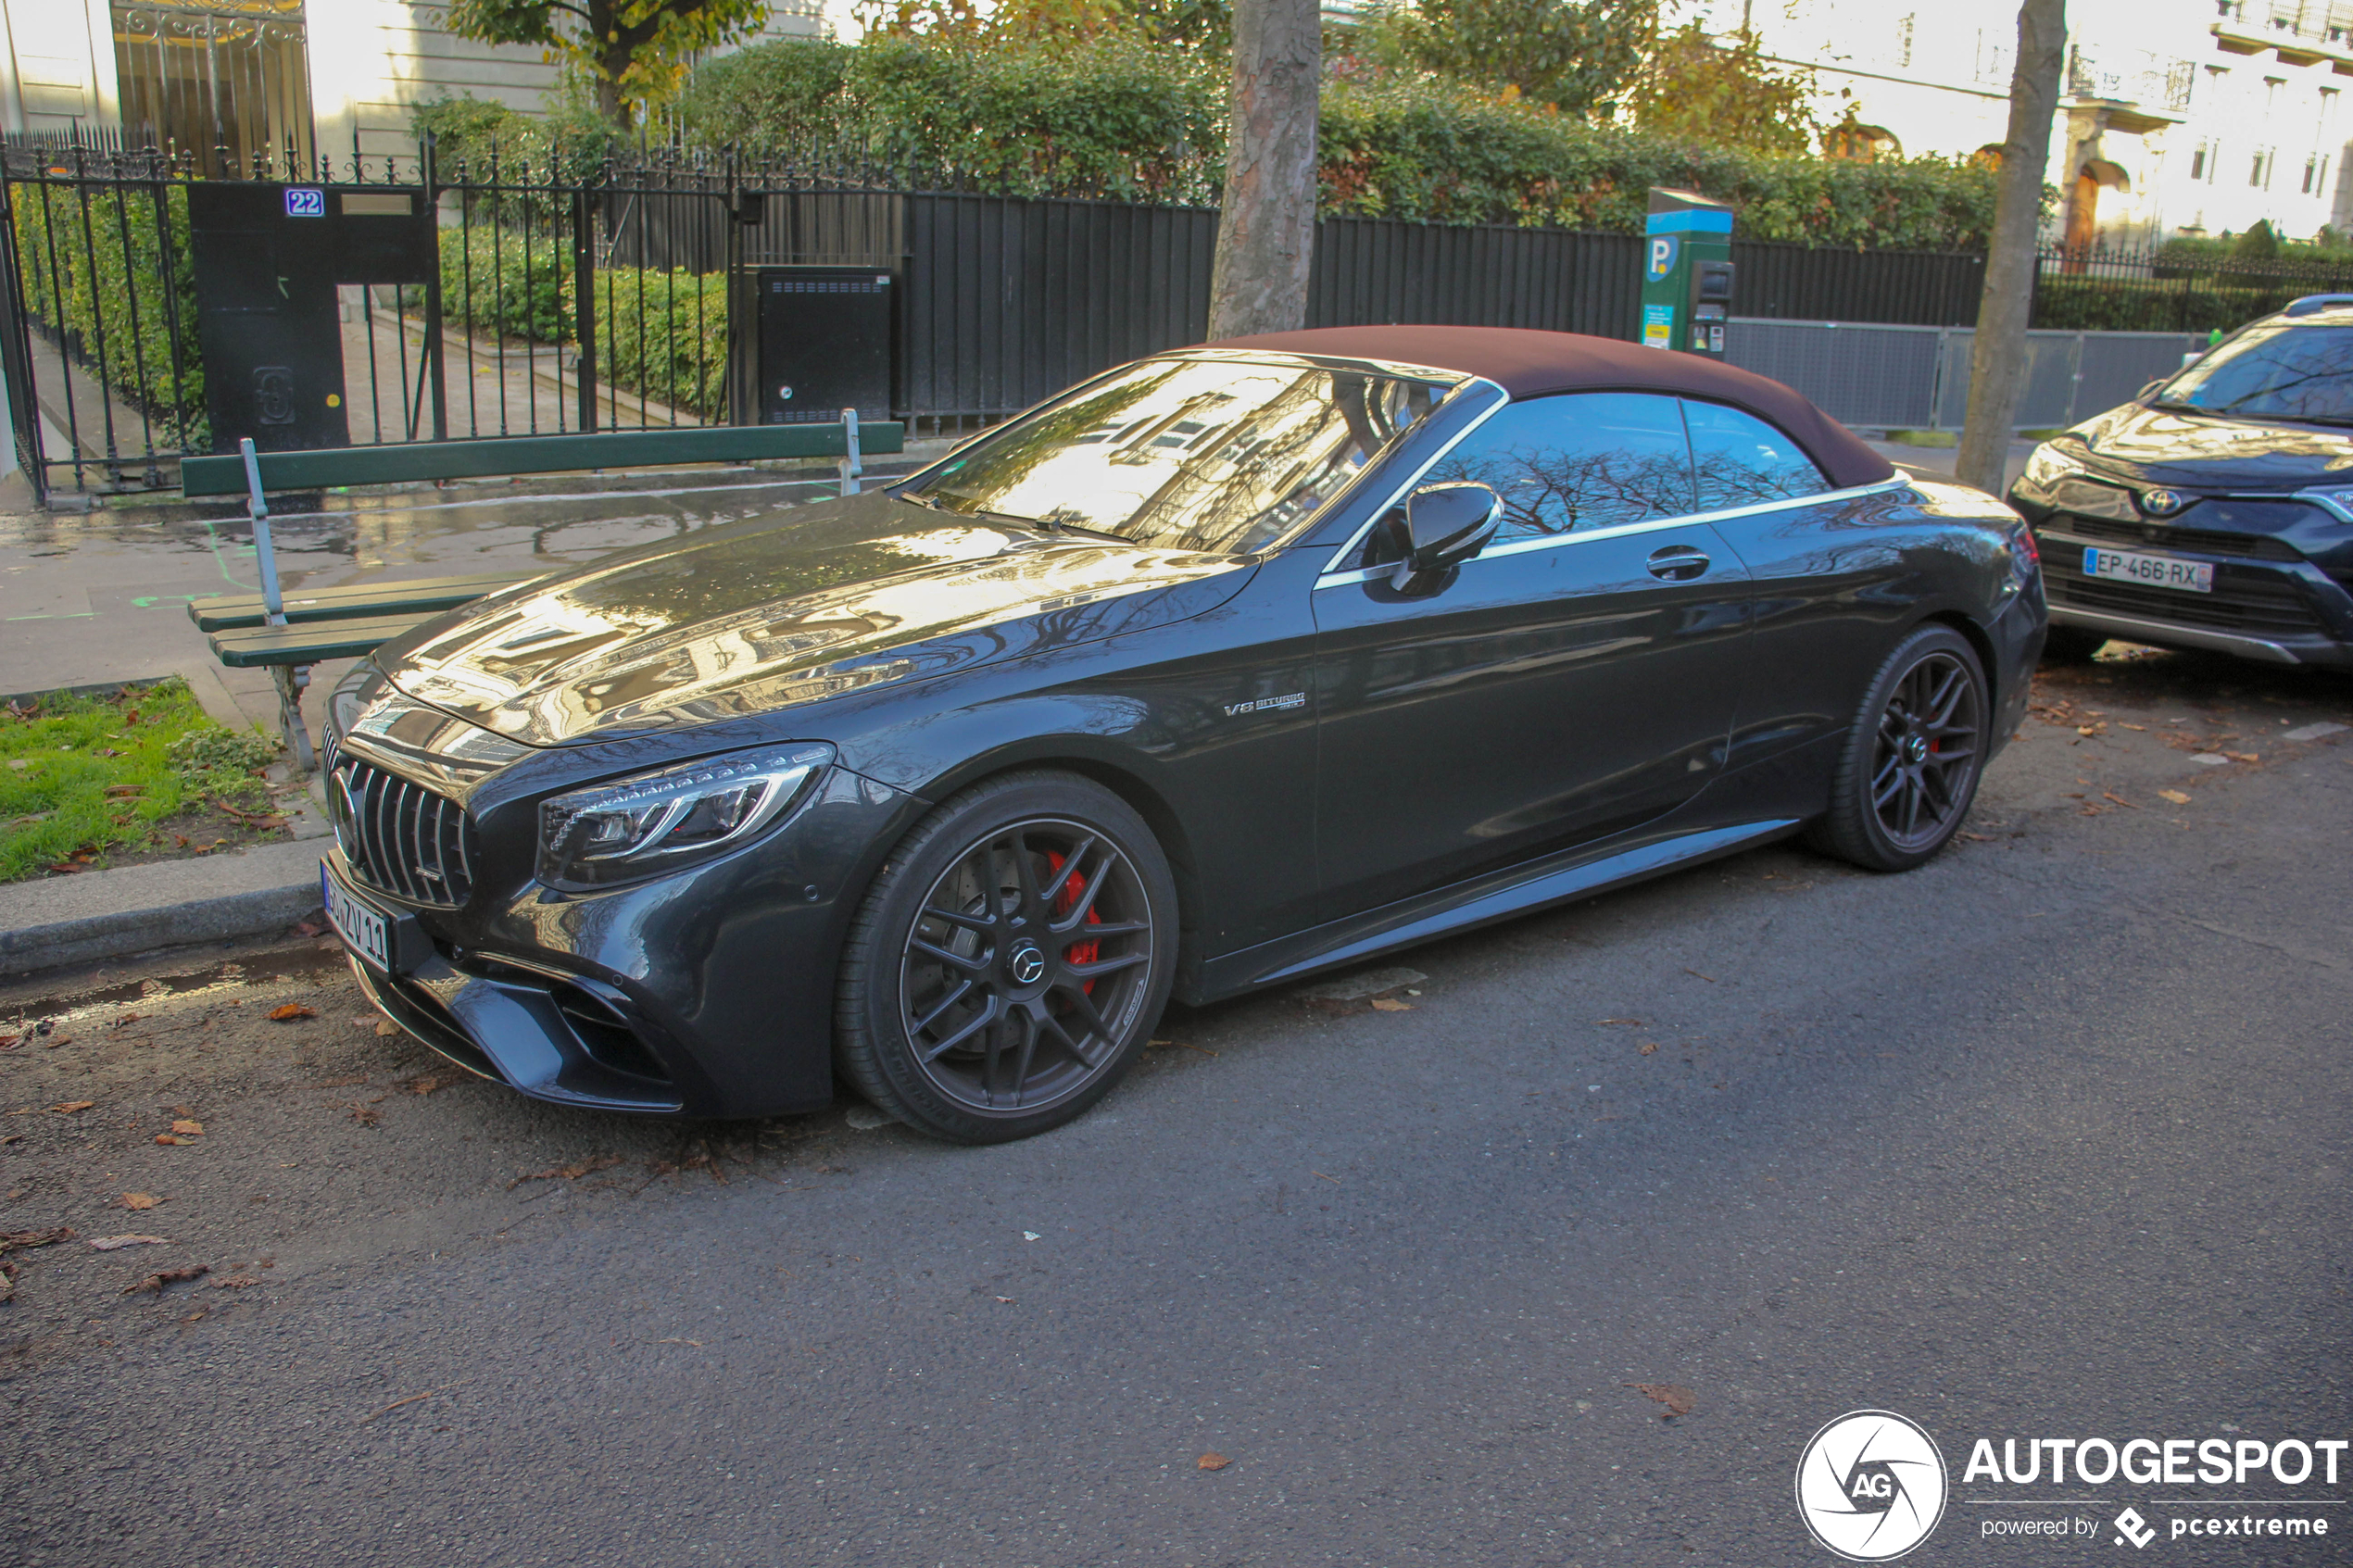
{"x": 72, "y": 920}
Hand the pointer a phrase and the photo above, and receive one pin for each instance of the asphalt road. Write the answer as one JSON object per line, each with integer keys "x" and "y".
{"x": 2048, "y": 1139}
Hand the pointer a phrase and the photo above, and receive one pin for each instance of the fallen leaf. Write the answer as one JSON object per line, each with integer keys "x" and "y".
{"x": 169, "y": 1139}
{"x": 1977, "y": 838}
{"x": 1650, "y": 1047}
{"x": 233, "y": 1281}
{"x": 156, "y": 1282}
{"x": 2243, "y": 756}
{"x": 574, "y": 1172}
{"x": 1383, "y": 1004}
{"x": 188, "y": 1129}
{"x": 386, "y": 1026}
{"x": 2175, "y": 795}
{"x": 108, "y": 1242}
{"x": 71, "y": 1105}
{"x": 16, "y": 1241}
{"x": 2111, "y": 795}
{"x": 366, "y": 1115}
{"x": 140, "y": 1200}
{"x": 307, "y": 928}
{"x": 1709, "y": 978}
{"x": 427, "y": 1083}
{"x": 288, "y": 1011}
{"x": 2135, "y": 726}
{"x": 1212, "y": 1462}
{"x": 2086, "y": 730}
{"x": 1635, "y": 1022}
{"x": 1677, "y": 1399}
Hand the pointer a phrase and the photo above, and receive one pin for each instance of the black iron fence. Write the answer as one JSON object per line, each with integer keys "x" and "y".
{"x": 557, "y": 297}
{"x": 2178, "y": 288}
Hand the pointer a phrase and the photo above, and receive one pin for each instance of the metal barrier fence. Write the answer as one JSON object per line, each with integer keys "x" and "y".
{"x": 1917, "y": 378}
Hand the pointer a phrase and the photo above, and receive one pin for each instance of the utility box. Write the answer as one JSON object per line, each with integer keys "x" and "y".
{"x": 268, "y": 258}
{"x": 1687, "y": 273}
{"x": 823, "y": 343}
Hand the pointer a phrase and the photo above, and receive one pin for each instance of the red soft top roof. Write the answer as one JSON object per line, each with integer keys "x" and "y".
{"x": 1528, "y": 364}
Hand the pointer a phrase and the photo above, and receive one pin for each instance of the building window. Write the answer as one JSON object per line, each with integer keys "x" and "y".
{"x": 2198, "y": 162}
{"x": 2312, "y": 173}
{"x": 2260, "y": 173}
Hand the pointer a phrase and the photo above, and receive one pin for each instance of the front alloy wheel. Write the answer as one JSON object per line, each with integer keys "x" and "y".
{"x": 1009, "y": 961}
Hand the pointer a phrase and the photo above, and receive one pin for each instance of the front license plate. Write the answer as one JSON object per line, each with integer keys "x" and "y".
{"x": 363, "y": 929}
{"x": 2155, "y": 571}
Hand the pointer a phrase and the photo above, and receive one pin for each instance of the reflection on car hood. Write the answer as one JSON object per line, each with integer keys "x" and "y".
{"x": 2154, "y": 446}
{"x": 783, "y": 609}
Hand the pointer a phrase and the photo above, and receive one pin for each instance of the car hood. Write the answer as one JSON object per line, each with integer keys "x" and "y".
{"x": 782, "y": 611}
{"x": 2157, "y": 446}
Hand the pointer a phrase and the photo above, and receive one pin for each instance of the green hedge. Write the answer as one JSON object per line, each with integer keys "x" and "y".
{"x": 2107, "y": 305}
{"x": 663, "y": 335}
{"x": 492, "y": 281}
{"x": 1425, "y": 151}
{"x": 1120, "y": 121}
{"x": 107, "y": 286}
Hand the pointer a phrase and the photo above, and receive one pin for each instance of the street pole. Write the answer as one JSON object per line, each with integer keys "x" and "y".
{"x": 1998, "y": 357}
{"x": 1267, "y": 219}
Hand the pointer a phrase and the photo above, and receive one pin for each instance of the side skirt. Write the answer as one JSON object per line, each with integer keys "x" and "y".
{"x": 1578, "y": 874}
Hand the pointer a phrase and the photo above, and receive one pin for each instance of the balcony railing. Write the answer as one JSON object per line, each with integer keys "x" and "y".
{"x": 2130, "y": 76}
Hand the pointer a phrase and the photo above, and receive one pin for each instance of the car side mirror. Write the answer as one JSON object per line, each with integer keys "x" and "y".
{"x": 1444, "y": 526}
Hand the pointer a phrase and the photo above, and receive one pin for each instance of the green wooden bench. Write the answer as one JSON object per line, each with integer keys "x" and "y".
{"x": 288, "y": 634}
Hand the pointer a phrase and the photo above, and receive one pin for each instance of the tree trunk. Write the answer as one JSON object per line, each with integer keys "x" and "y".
{"x": 1997, "y": 358}
{"x": 1267, "y": 222}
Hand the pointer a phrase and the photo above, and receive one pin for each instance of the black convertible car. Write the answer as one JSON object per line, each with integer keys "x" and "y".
{"x": 2213, "y": 511}
{"x": 1227, "y": 666}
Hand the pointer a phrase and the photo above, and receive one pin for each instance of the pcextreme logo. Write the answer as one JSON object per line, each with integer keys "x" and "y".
{"x": 1871, "y": 1486}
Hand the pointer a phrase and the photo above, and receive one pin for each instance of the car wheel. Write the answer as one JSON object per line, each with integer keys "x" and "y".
{"x": 1009, "y": 961}
{"x": 2071, "y": 644}
{"x": 1913, "y": 756}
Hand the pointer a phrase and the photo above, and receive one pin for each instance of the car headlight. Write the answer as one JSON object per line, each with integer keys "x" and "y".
{"x": 345, "y": 702}
{"x": 2049, "y": 463}
{"x": 658, "y": 822}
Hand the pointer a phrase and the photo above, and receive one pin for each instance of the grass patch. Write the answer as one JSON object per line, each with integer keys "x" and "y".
{"x": 85, "y": 778}
{"x": 1923, "y": 438}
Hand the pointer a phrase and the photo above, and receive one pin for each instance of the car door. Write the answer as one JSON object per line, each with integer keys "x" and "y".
{"x": 1575, "y": 678}
{"x": 1831, "y": 582}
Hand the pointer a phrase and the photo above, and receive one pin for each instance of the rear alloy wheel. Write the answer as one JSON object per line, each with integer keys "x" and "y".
{"x": 1009, "y": 961}
{"x": 1913, "y": 756}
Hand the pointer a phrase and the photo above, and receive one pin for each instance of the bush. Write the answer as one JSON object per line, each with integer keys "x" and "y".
{"x": 108, "y": 296}
{"x": 207, "y": 759}
{"x": 663, "y": 335}
{"x": 2107, "y": 305}
{"x": 496, "y": 282}
{"x": 1115, "y": 119}
{"x": 1427, "y": 151}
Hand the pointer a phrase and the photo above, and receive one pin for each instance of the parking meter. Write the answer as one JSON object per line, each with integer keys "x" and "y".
{"x": 1687, "y": 273}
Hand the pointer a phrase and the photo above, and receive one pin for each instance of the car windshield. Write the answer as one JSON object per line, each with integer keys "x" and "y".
{"x": 1210, "y": 454}
{"x": 2284, "y": 371}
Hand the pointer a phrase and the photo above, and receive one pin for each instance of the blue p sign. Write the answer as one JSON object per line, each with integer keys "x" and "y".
{"x": 1662, "y": 256}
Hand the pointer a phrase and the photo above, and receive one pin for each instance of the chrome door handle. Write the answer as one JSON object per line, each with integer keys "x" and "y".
{"x": 1678, "y": 563}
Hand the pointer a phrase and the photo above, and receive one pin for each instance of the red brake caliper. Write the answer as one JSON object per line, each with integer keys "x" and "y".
{"x": 1077, "y": 952}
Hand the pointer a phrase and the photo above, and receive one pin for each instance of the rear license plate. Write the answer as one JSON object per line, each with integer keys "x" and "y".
{"x": 365, "y": 930}
{"x": 2155, "y": 571}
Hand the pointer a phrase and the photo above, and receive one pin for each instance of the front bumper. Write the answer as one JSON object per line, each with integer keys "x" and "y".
{"x": 2279, "y": 611}
{"x": 705, "y": 993}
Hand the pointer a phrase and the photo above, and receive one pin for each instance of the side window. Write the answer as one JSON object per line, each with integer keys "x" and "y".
{"x": 1743, "y": 460}
{"x": 1577, "y": 461}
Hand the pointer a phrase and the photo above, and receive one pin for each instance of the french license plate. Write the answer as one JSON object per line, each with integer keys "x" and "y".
{"x": 2155, "y": 571}
{"x": 363, "y": 929}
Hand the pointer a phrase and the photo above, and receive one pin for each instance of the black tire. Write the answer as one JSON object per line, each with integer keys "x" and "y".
{"x": 1913, "y": 756}
{"x": 967, "y": 1004}
{"x": 2071, "y": 644}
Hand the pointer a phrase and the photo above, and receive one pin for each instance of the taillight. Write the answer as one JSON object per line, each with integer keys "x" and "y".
{"x": 2025, "y": 554}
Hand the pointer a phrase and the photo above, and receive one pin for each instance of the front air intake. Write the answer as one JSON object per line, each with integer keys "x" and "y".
{"x": 399, "y": 837}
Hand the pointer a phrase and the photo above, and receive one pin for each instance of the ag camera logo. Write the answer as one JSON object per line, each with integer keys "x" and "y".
{"x": 1871, "y": 1486}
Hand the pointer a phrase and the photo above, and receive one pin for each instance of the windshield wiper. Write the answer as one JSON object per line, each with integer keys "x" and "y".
{"x": 2172, "y": 406}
